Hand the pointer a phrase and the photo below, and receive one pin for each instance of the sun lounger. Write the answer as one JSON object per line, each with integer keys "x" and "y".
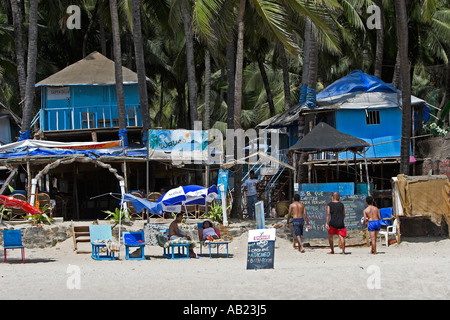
{"x": 101, "y": 237}
{"x": 210, "y": 244}
{"x": 169, "y": 247}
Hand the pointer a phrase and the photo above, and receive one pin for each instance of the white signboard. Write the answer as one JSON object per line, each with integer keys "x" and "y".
{"x": 58, "y": 93}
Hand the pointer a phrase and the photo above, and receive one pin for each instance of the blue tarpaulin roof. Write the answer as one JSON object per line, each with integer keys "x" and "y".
{"x": 356, "y": 81}
{"x": 357, "y": 90}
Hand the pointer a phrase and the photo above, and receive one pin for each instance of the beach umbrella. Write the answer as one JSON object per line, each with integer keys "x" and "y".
{"x": 140, "y": 204}
{"x": 172, "y": 200}
{"x": 13, "y": 203}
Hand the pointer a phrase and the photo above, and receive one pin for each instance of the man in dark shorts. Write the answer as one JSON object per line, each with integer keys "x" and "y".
{"x": 298, "y": 211}
{"x": 335, "y": 221}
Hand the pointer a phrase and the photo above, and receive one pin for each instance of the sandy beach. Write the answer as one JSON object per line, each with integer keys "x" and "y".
{"x": 417, "y": 268}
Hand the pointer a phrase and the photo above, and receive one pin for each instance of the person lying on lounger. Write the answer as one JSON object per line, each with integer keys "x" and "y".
{"x": 208, "y": 231}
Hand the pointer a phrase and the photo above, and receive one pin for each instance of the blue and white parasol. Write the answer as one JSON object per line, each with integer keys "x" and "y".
{"x": 187, "y": 195}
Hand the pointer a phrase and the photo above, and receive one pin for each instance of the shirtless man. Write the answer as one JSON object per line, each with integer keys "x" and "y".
{"x": 174, "y": 234}
{"x": 373, "y": 218}
{"x": 298, "y": 211}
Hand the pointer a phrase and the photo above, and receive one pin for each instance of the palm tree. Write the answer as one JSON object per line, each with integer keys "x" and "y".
{"x": 140, "y": 67}
{"x": 237, "y": 202}
{"x": 380, "y": 43}
{"x": 192, "y": 88}
{"x": 20, "y": 55}
{"x": 402, "y": 34}
{"x": 118, "y": 72}
{"x": 25, "y": 132}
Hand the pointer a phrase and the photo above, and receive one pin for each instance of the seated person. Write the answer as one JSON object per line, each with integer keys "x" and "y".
{"x": 208, "y": 231}
{"x": 175, "y": 234}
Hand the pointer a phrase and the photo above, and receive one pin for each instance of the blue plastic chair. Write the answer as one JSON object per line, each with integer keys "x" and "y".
{"x": 12, "y": 239}
{"x": 100, "y": 235}
{"x": 134, "y": 240}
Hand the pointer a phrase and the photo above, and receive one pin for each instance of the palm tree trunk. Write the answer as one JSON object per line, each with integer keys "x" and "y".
{"x": 396, "y": 78}
{"x": 286, "y": 83}
{"x": 187, "y": 23}
{"x": 306, "y": 59}
{"x": 313, "y": 69}
{"x": 259, "y": 58}
{"x": 118, "y": 72}
{"x": 231, "y": 73}
{"x": 402, "y": 34}
{"x": 236, "y": 210}
{"x": 207, "y": 89}
{"x": 20, "y": 55}
{"x": 25, "y": 132}
{"x": 239, "y": 67}
{"x": 380, "y": 43}
{"x": 140, "y": 67}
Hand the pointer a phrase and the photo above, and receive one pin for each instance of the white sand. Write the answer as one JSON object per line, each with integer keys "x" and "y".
{"x": 415, "y": 269}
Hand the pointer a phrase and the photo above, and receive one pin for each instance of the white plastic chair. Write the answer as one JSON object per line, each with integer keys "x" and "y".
{"x": 390, "y": 231}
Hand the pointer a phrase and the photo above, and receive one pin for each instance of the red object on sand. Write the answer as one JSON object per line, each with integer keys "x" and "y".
{"x": 11, "y": 202}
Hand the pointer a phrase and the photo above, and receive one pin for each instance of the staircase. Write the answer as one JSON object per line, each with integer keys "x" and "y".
{"x": 272, "y": 188}
{"x": 81, "y": 239}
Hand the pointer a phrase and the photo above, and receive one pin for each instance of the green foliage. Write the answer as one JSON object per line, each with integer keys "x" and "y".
{"x": 5, "y": 213}
{"x": 116, "y": 216}
{"x": 215, "y": 212}
{"x": 41, "y": 218}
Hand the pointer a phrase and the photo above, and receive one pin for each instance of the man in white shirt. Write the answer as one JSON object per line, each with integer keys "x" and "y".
{"x": 250, "y": 185}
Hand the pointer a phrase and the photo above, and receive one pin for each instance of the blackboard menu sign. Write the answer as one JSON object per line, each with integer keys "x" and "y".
{"x": 316, "y": 203}
{"x": 261, "y": 249}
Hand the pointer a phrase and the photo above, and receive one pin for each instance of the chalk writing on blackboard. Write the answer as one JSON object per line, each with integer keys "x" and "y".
{"x": 316, "y": 203}
{"x": 261, "y": 249}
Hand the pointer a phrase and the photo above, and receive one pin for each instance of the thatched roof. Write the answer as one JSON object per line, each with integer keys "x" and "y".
{"x": 95, "y": 69}
{"x": 326, "y": 138}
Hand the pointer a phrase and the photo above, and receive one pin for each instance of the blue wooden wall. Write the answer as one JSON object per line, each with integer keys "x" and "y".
{"x": 353, "y": 122}
{"x": 100, "y": 102}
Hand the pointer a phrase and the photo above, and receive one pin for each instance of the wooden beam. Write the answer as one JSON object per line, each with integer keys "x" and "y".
{"x": 8, "y": 181}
